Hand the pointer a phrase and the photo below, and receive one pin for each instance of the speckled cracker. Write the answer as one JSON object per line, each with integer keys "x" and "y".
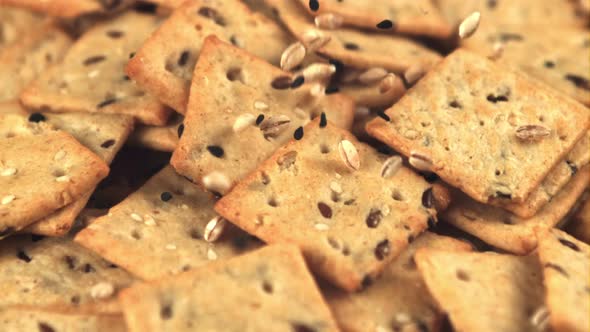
{"x": 15, "y": 23}
{"x": 484, "y": 291}
{"x": 504, "y": 230}
{"x": 41, "y": 172}
{"x": 167, "y": 217}
{"x": 232, "y": 86}
{"x": 267, "y": 290}
{"x": 164, "y": 64}
{"x": 69, "y": 8}
{"x": 557, "y": 56}
{"x": 349, "y": 224}
{"x": 160, "y": 138}
{"x": 415, "y": 17}
{"x": 25, "y": 59}
{"x": 55, "y": 272}
{"x": 91, "y": 76}
{"x": 489, "y": 131}
{"x": 15, "y": 319}
{"x": 357, "y": 48}
{"x": 579, "y": 226}
{"x": 397, "y": 301}
{"x": 566, "y": 268}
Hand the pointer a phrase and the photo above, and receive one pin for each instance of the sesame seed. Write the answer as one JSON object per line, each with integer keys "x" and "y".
{"x": 332, "y": 89}
{"x": 184, "y": 207}
{"x": 314, "y": 5}
{"x": 317, "y": 90}
{"x": 102, "y": 290}
{"x": 314, "y": 39}
{"x": 165, "y": 196}
{"x": 300, "y": 113}
{"x": 281, "y": 82}
{"x": 402, "y": 318}
{"x": 136, "y": 217}
{"x": 351, "y": 46}
{"x": 59, "y": 155}
{"x": 63, "y": 178}
{"x": 383, "y": 116}
{"x": 93, "y": 73}
{"x": 215, "y": 150}
{"x": 217, "y": 182}
{"x": 297, "y": 82}
{"x": 335, "y": 187}
{"x": 323, "y": 120}
{"x": 180, "y": 130}
{"x": 497, "y": 50}
{"x": 469, "y": 25}
{"x": 7, "y": 199}
{"x": 8, "y": 172}
{"x": 36, "y": 117}
{"x": 260, "y": 105}
{"x": 372, "y": 75}
{"x": 298, "y": 134}
{"x": 385, "y": 24}
{"x": 259, "y": 119}
{"x": 214, "y": 229}
{"x": 244, "y": 121}
{"x": 211, "y": 254}
{"x": 318, "y": 72}
{"x": 540, "y": 318}
{"x": 170, "y": 246}
{"x": 349, "y": 154}
{"x": 321, "y": 227}
{"x": 149, "y": 220}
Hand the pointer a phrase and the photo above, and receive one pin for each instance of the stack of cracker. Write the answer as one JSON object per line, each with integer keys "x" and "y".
{"x": 294, "y": 165}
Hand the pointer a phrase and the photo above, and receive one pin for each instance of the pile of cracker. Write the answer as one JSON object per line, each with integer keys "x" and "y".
{"x": 295, "y": 165}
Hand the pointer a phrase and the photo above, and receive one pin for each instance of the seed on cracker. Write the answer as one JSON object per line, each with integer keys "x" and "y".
{"x": 136, "y": 217}
{"x": 8, "y": 172}
{"x": 321, "y": 227}
{"x": 391, "y": 166}
{"x": 170, "y": 246}
{"x": 59, "y": 155}
{"x": 318, "y": 72}
{"x": 274, "y": 126}
{"x": 349, "y": 155}
{"x": 540, "y": 318}
{"x": 532, "y": 133}
{"x": 260, "y": 105}
{"x": 217, "y": 182}
{"x": 328, "y": 21}
{"x": 292, "y": 56}
{"x": 314, "y": 39}
{"x": 211, "y": 254}
{"x": 7, "y": 199}
{"x": 497, "y": 50}
{"x": 414, "y": 73}
{"x": 63, "y": 178}
{"x": 102, "y": 290}
{"x": 469, "y": 25}
{"x": 214, "y": 229}
{"x": 372, "y": 75}
{"x": 420, "y": 161}
{"x": 317, "y": 90}
{"x": 243, "y": 121}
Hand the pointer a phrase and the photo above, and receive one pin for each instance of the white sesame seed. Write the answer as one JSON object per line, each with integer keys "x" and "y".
{"x": 420, "y": 161}
{"x": 497, "y": 50}
{"x": 59, "y": 155}
{"x": 314, "y": 39}
{"x": 63, "y": 178}
{"x": 260, "y": 105}
{"x": 102, "y": 290}
{"x": 243, "y": 121}
{"x": 214, "y": 228}
{"x": 292, "y": 56}
{"x": 328, "y": 21}
{"x": 469, "y": 25}
{"x": 335, "y": 187}
{"x": 136, "y": 217}
{"x": 372, "y": 75}
{"x": 349, "y": 154}
{"x": 7, "y": 199}
{"x": 8, "y": 172}
{"x": 540, "y": 318}
{"x": 170, "y": 246}
{"x": 216, "y": 181}
{"x": 149, "y": 220}
{"x": 211, "y": 254}
{"x": 414, "y": 73}
{"x": 321, "y": 227}
{"x": 93, "y": 73}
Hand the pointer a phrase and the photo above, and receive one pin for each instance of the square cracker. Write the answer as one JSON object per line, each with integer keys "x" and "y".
{"x": 18, "y": 318}
{"x": 230, "y": 83}
{"x": 464, "y": 116}
{"x": 398, "y": 300}
{"x": 173, "y": 213}
{"x": 579, "y": 226}
{"x": 359, "y": 49}
{"x": 69, "y": 8}
{"x": 484, "y": 292}
{"x": 91, "y": 76}
{"x": 25, "y": 59}
{"x": 349, "y": 224}
{"x": 269, "y": 289}
{"x": 42, "y": 171}
{"x": 160, "y": 138}
{"x": 164, "y": 64}
{"x": 55, "y": 273}
{"x": 415, "y": 17}
{"x": 566, "y": 268}
{"x": 556, "y": 56}
{"x": 504, "y": 230}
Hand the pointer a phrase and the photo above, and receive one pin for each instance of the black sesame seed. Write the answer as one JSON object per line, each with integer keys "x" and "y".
{"x": 37, "y": 117}
{"x": 215, "y": 150}
{"x": 165, "y": 196}
{"x": 297, "y": 82}
{"x": 578, "y": 81}
{"x": 114, "y": 34}
{"x": 323, "y": 120}
{"x": 572, "y": 166}
{"x": 385, "y": 24}
{"x": 183, "y": 59}
{"x": 557, "y": 268}
{"x": 351, "y": 46}
{"x": 298, "y": 134}
{"x": 431, "y": 222}
{"x": 383, "y": 116}
{"x": 428, "y": 198}
{"x": 314, "y": 5}
{"x": 94, "y": 59}
{"x": 492, "y": 3}
{"x": 373, "y": 218}
{"x": 382, "y": 250}
{"x": 549, "y": 64}
{"x": 131, "y": 55}
{"x": 44, "y": 327}
{"x": 281, "y": 83}
{"x": 569, "y": 244}
{"x": 259, "y": 119}
{"x": 148, "y": 8}
{"x": 107, "y": 144}
{"x": 106, "y": 102}
{"x": 23, "y": 256}
{"x": 330, "y": 89}
{"x": 126, "y": 78}
{"x": 180, "y": 130}
{"x": 325, "y": 210}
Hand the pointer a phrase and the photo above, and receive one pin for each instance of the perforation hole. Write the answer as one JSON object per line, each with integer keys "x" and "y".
{"x": 272, "y": 201}
{"x": 397, "y": 195}
{"x": 235, "y": 74}
{"x": 462, "y": 275}
{"x": 267, "y": 287}
{"x": 324, "y": 148}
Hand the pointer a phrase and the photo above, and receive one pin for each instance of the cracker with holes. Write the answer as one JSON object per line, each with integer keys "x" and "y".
{"x": 41, "y": 172}
{"x": 507, "y": 231}
{"x": 24, "y": 60}
{"x": 174, "y": 221}
{"x": 16, "y": 22}
{"x": 566, "y": 268}
{"x": 21, "y": 318}
{"x": 555, "y": 56}
{"x": 160, "y": 138}
{"x": 164, "y": 64}
{"x": 491, "y": 132}
{"x": 71, "y": 9}
{"x": 579, "y": 225}
{"x": 269, "y": 289}
{"x": 414, "y": 17}
{"x": 354, "y": 48}
{"x": 57, "y": 273}
{"x": 91, "y": 77}
{"x": 240, "y": 111}
{"x": 398, "y": 300}
{"x": 485, "y": 292}
{"x": 350, "y": 209}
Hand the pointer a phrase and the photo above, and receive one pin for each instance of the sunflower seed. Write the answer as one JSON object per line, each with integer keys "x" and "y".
{"x": 314, "y": 39}
{"x": 540, "y": 318}
{"x": 292, "y": 56}
{"x": 318, "y": 72}
{"x": 469, "y": 25}
{"x": 349, "y": 155}
{"x": 328, "y": 21}
{"x": 102, "y": 290}
{"x": 214, "y": 228}
{"x": 532, "y": 133}
{"x": 7, "y": 199}
{"x": 243, "y": 121}
{"x": 217, "y": 182}
{"x": 420, "y": 161}
{"x": 391, "y": 166}
{"x": 8, "y": 172}
{"x": 260, "y": 105}
{"x": 372, "y": 75}
{"x": 414, "y": 73}
{"x": 274, "y": 126}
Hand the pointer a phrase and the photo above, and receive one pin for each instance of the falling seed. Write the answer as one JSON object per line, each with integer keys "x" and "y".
{"x": 314, "y": 39}
{"x": 469, "y": 25}
{"x": 214, "y": 229}
{"x": 349, "y": 154}
{"x": 292, "y": 56}
{"x": 318, "y": 72}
